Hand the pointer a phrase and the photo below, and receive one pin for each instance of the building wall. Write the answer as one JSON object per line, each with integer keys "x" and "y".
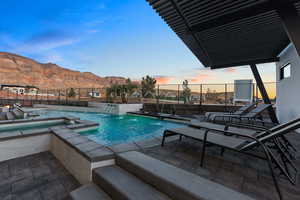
{"x": 288, "y": 90}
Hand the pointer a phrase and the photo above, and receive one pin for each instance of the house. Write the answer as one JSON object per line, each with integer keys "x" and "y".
{"x": 20, "y": 89}
{"x": 288, "y": 84}
{"x": 95, "y": 94}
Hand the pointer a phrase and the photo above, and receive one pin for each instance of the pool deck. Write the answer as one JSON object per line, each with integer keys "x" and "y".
{"x": 42, "y": 176}
{"x": 35, "y": 177}
{"x": 240, "y": 172}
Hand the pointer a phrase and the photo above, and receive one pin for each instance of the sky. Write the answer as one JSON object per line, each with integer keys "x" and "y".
{"x": 109, "y": 38}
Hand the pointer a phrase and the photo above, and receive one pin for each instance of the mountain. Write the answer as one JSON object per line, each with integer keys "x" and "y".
{"x": 15, "y": 69}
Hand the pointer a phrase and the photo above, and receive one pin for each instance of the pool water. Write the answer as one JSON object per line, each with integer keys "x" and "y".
{"x": 116, "y": 129}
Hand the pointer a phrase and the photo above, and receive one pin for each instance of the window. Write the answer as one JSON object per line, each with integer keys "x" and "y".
{"x": 285, "y": 71}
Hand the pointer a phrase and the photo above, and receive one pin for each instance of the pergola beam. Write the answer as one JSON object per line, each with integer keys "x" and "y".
{"x": 248, "y": 62}
{"x": 263, "y": 92}
{"x": 290, "y": 20}
{"x": 232, "y": 17}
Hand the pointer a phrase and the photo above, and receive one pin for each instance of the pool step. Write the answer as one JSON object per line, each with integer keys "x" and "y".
{"x": 89, "y": 192}
{"x": 176, "y": 183}
{"x": 120, "y": 184}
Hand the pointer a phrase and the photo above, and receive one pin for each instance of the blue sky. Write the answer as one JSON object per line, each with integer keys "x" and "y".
{"x": 106, "y": 37}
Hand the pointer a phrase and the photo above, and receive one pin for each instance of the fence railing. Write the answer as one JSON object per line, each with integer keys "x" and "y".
{"x": 163, "y": 94}
{"x": 210, "y": 93}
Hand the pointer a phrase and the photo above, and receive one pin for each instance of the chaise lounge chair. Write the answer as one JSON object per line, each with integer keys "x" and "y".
{"x": 252, "y": 116}
{"x": 243, "y": 142}
{"x": 241, "y": 111}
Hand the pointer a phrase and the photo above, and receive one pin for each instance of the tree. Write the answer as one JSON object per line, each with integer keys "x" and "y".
{"x": 72, "y": 93}
{"x": 123, "y": 90}
{"x": 186, "y": 93}
{"x": 148, "y": 86}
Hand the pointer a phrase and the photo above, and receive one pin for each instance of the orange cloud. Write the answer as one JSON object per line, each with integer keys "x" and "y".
{"x": 202, "y": 76}
{"x": 163, "y": 79}
{"x": 230, "y": 70}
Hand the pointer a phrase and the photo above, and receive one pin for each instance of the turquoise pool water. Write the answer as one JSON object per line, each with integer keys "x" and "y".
{"x": 117, "y": 129}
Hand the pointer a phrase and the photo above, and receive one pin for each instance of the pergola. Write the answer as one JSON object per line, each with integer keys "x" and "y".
{"x": 230, "y": 33}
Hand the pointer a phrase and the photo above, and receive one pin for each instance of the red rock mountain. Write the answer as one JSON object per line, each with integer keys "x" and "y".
{"x": 15, "y": 69}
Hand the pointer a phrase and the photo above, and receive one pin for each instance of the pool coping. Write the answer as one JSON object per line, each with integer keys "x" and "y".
{"x": 14, "y": 134}
{"x": 166, "y": 117}
{"x": 69, "y": 134}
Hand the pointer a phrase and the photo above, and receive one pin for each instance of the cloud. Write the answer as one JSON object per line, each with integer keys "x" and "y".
{"x": 46, "y": 41}
{"x": 163, "y": 79}
{"x": 94, "y": 23}
{"x": 92, "y": 31}
{"x": 51, "y": 58}
{"x": 230, "y": 70}
{"x": 201, "y": 77}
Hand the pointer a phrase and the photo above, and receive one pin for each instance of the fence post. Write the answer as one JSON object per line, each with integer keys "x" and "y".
{"x": 253, "y": 91}
{"x": 66, "y": 96}
{"x": 226, "y": 97}
{"x": 256, "y": 94}
{"x": 200, "y": 100}
{"x": 79, "y": 94}
{"x": 178, "y": 97}
{"x": 157, "y": 99}
{"x": 47, "y": 96}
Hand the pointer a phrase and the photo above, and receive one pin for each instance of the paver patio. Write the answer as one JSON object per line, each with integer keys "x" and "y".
{"x": 35, "y": 177}
{"x": 237, "y": 171}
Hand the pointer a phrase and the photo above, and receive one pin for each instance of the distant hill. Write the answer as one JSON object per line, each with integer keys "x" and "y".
{"x": 15, "y": 69}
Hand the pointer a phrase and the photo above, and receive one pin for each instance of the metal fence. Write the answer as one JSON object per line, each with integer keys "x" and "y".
{"x": 163, "y": 94}
{"x": 209, "y": 93}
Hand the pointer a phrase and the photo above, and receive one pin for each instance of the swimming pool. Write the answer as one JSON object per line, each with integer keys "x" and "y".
{"x": 116, "y": 129}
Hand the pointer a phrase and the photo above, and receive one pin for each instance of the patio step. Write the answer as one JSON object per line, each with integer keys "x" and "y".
{"x": 89, "y": 192}
{"x": 176, "y": 183}
{"x": 121, "y": 185}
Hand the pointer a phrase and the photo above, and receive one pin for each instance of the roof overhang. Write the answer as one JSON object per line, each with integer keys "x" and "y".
{"x": 235, "y": 32}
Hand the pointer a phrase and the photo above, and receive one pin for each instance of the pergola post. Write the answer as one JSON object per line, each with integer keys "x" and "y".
{"x": 263, "y": 92}
{"x": 290, "y": 20}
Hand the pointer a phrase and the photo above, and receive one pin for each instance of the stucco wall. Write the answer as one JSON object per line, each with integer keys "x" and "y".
{"x": 19, "y": 147}
{"x": 288, "y": 90}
